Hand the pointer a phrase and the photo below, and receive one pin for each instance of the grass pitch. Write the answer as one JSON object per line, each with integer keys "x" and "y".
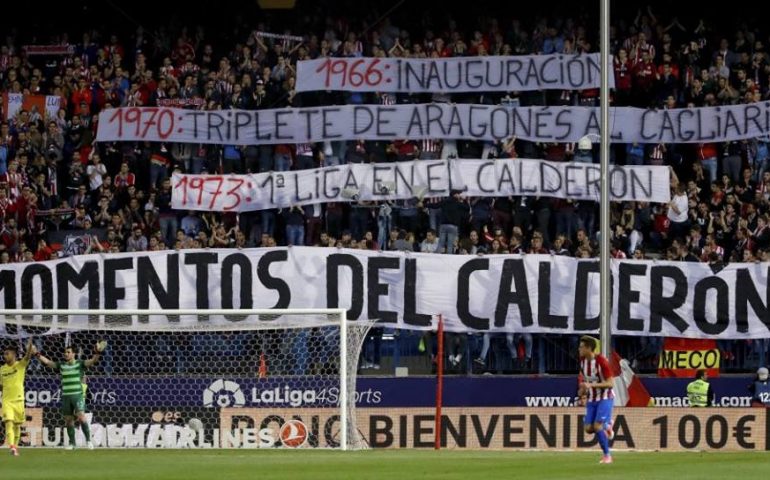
{"x": 47, "y": 464}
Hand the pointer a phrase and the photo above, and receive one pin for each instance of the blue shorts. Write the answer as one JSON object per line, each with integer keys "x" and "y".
{"x": 598, "y": 412}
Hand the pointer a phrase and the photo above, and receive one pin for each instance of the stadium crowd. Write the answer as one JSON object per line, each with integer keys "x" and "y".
{"x": 62, "y": 193}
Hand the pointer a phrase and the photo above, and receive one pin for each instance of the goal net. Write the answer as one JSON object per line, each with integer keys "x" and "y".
{"x": 197, "y": 379}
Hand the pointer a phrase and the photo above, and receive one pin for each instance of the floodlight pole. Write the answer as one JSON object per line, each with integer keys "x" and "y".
{"x": 605, "y": 293}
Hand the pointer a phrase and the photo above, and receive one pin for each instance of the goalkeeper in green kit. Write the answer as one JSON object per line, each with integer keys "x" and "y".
{"x": 73, "y": 402}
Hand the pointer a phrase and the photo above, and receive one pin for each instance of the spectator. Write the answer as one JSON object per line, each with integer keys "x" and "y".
{"x": 760, "y": 389}
{"x": 699, "y": 391}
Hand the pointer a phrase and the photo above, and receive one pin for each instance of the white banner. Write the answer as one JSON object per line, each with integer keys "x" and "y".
{"x": 418, "y": 178}
{"x": 457, "y": 74}
{"x": 432, "y": 121}
{"x": 530, "y": 293}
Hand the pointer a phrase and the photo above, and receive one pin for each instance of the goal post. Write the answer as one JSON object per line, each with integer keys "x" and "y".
{"x": 273, "y": 377}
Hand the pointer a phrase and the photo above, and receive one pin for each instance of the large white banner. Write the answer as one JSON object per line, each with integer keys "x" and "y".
{"x": 433, "y": 121}
{"x": 419, "y": 178}
{"x": 512, "y": 293}
{"x": 458, "y": 74}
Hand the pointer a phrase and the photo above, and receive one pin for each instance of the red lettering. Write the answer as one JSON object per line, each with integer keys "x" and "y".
{"x": 166, "y": 118}
{"x": 233, "y": 192}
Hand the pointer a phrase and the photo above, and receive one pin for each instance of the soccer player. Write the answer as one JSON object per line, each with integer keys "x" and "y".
{"x": 73, "y": 402}
{"x": 596, "y": 389}
{"x": 12, "y": 373}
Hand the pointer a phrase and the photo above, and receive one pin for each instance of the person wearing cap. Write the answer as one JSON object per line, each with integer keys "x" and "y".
{"x": 760, "y": 389}
{"x": 583, "y": 153}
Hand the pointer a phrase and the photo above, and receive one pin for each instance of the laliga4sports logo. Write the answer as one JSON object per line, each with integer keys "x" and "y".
{"x": 223, "y": 393}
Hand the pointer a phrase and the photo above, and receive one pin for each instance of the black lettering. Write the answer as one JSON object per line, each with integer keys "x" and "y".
{"x": 484, "y": 436}
{"x": 67, "y": 275}
{"x": 468, "y": 75}
{"x": 536, "y": 426}
{"x": 333, "y": 262}
{"x": 667, "y": 125}
{"x": 411, "y": 315}
{"x": 357, "y": 128}
{"x": 478, "y": 134}
{"x": 685, "y": 134}
{"x": 242, "y": 119}
{"x": 506, "y": 177}
{"x": 195, "y": 115}
{"x": 746, "y": 294}
{"x": 380, "y": 427}
{"x": 415, "y": 121}
{"x": 572, "y": 72}
{"x": 148, "y": 279}
{"x": 683, "y": 441}
{"x": 716, "y": 431}
{"x": 228, "y": 267}
{"x": 332, "y": 193}
{"x": 8, "y": 285}
{"x": 623, "y": 432}
{"x": 419, "y": 430}
{"x": 215, "y": 121}
{"x": 566, "y": 125}
{"x": 512, "y": 69}
{"x": 751, "y": 114}
{"x": 377, "y": 289}
{"x": 112, "y": 293}
{"x": 463, "y": 293}
{"x": 542, "y": 124}
{"x": 662, "y": 307}
{"x": 644, "y": 123}
{"x": 645, "y": 186}
{"x": 545, "y": 318}
{"x": 583, "y": 323}
{"x": 433, "y": 180}
{"x": 722, "y": 313}
{"x": 274, "y": 283}
{"x": 307, "y": 113}
{"x": 480, "y": 173}
{"x": 627, "y": 296}
{"x": 201, "y": 260}
{"x": 434, "y": 114}
{"x": 258, "y": 128}
{"x": 383, "y": 121}
{"x": 459, "y": 436}
{"x": 549, "y": 186}
{"x": 326, "y": 123}
{"x": 618, "y": 183}
{"x": 543, "y": 67}
{"x": 279, "y": 123}
{"x": 28, "y": 288}
{"x": 510, "y": 428}
{"x": 513, "y": 272}
{"x": 569, "y": 179}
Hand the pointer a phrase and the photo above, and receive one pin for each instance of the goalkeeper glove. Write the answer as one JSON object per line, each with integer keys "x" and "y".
{"x": 101, "y": 346}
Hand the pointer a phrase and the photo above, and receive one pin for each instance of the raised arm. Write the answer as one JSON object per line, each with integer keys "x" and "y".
{"x": 28, "y": 354}
{"x": 98, "y": 349}
{"x": 43, "y": 359}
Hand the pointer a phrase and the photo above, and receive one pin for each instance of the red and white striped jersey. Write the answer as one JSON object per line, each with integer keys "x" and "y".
{"x": 387, "y": 99}
{"x": 596, "y": 370}
{"x": 431, "y": 145}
